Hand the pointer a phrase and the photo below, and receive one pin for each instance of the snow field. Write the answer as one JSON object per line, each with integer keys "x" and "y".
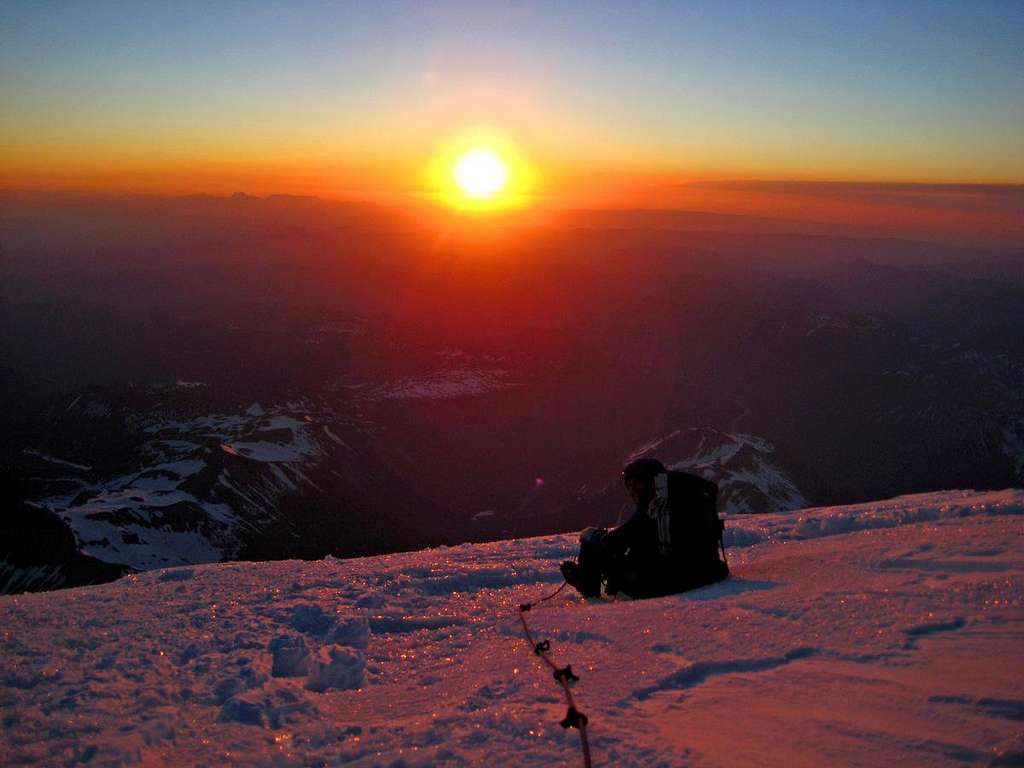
{"x": 881, "y": 634}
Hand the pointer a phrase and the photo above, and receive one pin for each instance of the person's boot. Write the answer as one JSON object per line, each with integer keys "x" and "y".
{"x": 574, "y": 578}
{"x": 571, "y": 574}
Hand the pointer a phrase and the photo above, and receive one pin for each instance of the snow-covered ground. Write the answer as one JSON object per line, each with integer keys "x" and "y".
{"x": 883, "y": 634}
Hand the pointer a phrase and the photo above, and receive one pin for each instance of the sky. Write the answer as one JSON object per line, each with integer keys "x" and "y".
{"x": 611, "y": 103}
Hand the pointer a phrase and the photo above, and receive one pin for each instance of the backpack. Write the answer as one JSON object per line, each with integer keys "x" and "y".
{"x": 690, "y": 532}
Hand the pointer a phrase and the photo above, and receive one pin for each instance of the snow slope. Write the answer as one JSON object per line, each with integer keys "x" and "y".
{"x": 881, "y": 634}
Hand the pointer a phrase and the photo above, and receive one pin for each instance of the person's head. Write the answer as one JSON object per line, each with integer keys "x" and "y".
{"x": 638, "y": 476}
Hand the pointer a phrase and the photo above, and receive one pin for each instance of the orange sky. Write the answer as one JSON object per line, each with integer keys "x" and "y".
{"x": 606, "y": 107}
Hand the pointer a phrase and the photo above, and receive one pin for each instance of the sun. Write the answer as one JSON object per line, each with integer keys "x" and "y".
{"x": 481, "y": 170}
{"x": 480, "y": 173}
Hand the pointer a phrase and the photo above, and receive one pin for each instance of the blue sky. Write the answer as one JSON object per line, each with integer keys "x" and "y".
{"x": 908, "y": 90}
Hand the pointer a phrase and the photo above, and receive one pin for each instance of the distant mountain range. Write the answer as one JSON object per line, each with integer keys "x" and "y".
{"x": 339, "y": 380}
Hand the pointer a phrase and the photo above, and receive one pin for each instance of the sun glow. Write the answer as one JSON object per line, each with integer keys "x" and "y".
{"x": 480, "y": 173}
{"x": 481, "y": 170}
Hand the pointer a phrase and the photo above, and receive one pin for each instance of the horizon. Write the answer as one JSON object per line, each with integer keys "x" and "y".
{"x": 343, "y": 102}
{"x": 985, "y": 216}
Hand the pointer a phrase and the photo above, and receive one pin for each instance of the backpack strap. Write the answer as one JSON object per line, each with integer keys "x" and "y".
{"x": 660, "y": 511}
{"x": 721, "y": 541}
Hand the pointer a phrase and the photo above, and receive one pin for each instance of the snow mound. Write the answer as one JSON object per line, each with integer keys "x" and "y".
{"x": 744, "y": 466}
{"x": 290, "y": 656}
{"x": 876, "y": 634}
{"x": 817, "y": 522}
{"x": 336, "y": 668}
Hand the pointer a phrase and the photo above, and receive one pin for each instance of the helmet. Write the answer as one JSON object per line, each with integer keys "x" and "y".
{"x": 644, "y": 468}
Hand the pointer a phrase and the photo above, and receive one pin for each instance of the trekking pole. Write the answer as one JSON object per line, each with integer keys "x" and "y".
{"x": 563, "y": 676}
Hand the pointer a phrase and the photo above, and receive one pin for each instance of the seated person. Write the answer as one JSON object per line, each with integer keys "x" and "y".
{"x": 670, "y": 544}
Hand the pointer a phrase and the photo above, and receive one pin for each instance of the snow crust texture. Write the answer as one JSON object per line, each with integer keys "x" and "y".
{"x": 879, "y": 634}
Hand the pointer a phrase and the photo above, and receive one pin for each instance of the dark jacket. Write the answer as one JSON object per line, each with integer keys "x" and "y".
{"x": 635, "y": 542}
